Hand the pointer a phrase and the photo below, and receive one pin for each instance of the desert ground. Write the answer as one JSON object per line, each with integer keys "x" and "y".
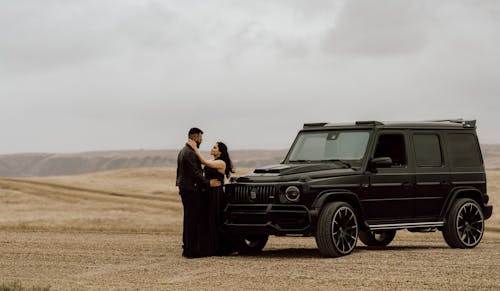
{"x": 122, "y": 230}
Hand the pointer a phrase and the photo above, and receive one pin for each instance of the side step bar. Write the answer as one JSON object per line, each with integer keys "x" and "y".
{"x": 405, "y": 225}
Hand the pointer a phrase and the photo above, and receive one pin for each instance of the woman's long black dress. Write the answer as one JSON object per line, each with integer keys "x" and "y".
{"x": 215, "y": 202}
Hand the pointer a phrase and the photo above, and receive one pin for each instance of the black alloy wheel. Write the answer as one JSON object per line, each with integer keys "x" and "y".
{"x": 337, "y": 231}
{"x": 464, "y": 226}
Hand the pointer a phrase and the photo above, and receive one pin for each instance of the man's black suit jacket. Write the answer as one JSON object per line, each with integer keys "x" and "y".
{"x": 189, "y": 173}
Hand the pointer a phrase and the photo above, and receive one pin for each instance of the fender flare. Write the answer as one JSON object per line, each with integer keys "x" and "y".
{"x": 339, "y": 195}
{"x": 465, "y": 192}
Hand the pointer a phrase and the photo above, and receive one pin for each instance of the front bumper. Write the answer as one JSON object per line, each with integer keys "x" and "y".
{"x": 275, "y": 219}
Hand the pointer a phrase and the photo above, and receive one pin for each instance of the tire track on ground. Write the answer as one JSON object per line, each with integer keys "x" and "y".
{"x": 112, "y": 193}
{"x": 73, "y": 194}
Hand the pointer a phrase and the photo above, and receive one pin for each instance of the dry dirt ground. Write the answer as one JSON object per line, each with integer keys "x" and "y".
{"x": 121, "y": 230}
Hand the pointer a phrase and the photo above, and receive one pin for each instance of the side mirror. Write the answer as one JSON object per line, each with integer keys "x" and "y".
{"x": 381, "y": 162}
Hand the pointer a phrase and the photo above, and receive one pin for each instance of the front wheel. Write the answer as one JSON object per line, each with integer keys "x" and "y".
{"x": 377, "y": 238}
{"x": 252, "y": 244}
{"x": 464, "y": 224}
{"x": 337, "y": 230}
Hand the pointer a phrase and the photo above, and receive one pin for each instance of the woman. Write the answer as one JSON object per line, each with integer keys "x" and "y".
{"x": 218, "y": 242}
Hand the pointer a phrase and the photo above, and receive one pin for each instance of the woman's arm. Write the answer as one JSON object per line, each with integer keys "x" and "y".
{"x": 217, "y": 164}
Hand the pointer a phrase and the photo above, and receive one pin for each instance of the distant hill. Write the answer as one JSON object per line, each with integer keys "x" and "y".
{"x": 491, "y": 155}
{"x": 43, "y": 164}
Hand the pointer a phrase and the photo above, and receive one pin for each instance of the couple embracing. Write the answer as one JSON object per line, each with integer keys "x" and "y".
{"x": 203, "y": 197}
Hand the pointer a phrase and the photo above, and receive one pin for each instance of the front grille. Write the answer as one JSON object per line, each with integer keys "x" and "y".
{"x": 262, "y": 194}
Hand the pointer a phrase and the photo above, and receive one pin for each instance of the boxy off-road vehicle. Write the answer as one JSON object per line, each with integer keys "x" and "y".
{"x": 368, "y": 179}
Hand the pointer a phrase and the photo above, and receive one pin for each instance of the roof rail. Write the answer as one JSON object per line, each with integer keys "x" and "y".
{"x": 317, "y": 124}
{"x": 465, "y": 123}
{"x": 369, "y": 122}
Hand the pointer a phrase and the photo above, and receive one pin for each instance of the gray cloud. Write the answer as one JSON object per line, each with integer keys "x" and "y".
{"x": 379, "y": 28}
{"x": 125, "y": 74}
{"x": 46, "y": 35}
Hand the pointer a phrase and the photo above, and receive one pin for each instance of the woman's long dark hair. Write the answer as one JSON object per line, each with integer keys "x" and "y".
{"x": 224, "y": 155}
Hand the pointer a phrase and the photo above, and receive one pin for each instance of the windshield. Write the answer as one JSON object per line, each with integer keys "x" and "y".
{"x": 342, "y": 146}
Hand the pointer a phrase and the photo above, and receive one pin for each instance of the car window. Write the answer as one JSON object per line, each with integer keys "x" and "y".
{"x": 392, "y": 146}
{"x": 463, "y": 150}
{"x": 427, "y": 150}
{"x": 330, "y": 145}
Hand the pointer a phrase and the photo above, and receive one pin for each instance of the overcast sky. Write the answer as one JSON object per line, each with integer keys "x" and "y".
{"x": 108, "y": 75}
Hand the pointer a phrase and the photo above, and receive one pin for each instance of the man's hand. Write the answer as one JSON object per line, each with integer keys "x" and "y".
{"x": 215, "y": 183}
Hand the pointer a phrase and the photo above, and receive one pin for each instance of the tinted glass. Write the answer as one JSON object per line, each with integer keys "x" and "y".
{"x": 342, "y": 145}
{"x": 427, "y": 150}
{"x": 464, "y": 150}
{"x": 392, "y": 146}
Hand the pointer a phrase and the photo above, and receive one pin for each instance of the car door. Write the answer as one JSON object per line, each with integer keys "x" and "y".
{"x": 432, "y": 180}
{"x": 389, "y": 196}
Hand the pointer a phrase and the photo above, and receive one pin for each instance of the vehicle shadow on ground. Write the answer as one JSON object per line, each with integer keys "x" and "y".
{"x": 294, "y": 253}
{"x": 402, "y": 248}
{"x": 286, "y": 253}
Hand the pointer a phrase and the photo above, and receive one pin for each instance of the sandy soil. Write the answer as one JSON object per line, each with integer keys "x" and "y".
{"x": 121, "y": 230}
{"x": 152, "y": 261}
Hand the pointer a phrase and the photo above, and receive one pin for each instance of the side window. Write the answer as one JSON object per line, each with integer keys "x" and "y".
{"x": 427, "y": 150}
{"x": 392, "y": 146}
{"x": 464, "y": 150}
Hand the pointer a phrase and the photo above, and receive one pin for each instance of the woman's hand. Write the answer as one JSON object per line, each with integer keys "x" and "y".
{"x": 215, "y": 183}
{"x": 192, "y": 144}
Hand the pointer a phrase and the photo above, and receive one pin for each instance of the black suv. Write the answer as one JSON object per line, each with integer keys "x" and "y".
{"x": 339, "y": 182}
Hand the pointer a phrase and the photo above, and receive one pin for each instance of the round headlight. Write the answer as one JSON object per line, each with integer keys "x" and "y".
{"x": 292, "y": 193}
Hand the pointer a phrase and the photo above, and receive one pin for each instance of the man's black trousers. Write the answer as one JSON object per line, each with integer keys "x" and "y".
{"x": 191, "y": 201}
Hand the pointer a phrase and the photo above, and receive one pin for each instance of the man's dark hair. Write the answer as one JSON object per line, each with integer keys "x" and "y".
{"x": 194, "y": 131}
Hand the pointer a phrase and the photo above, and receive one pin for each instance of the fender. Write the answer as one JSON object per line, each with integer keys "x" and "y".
{"x": 469, "y": 192}
{"x": 338, "y": 195}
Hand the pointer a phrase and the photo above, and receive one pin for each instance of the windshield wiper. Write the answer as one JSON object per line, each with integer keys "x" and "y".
{"x": 338, "y": 161}
{"x": 301, "y": 161}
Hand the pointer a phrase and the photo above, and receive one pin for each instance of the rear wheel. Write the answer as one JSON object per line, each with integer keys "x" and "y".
{"x": 377, "y": 238}
{"x": 464, "y": 224}
{"x": 337, "y": 230}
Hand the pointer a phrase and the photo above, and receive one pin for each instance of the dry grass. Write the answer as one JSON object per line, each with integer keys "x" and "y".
{"x": 135, "y": 200}
{"x": 122, "y": 230}
{"x": 493, "y": 178}
{"x": 17, "y": 286}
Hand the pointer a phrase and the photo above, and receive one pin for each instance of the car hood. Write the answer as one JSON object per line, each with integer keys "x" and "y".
{"x": 293, "y": 169}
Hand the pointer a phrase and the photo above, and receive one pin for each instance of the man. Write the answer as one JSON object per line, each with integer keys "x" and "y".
{"x": 191, "y": 183}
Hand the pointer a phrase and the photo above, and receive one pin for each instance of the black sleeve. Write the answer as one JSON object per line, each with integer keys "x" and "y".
{"x": 194, "y": 165}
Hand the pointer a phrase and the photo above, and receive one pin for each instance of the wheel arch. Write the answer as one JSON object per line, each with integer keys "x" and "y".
{"x": 347, "y": 196}
{"x": 468, "y": 192}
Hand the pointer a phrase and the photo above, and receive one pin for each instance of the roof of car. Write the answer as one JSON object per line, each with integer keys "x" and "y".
{"x": 433, "y": 124}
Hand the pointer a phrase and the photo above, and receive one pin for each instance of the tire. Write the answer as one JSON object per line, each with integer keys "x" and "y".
{"x": 252, "y": 244}
{"x": 464, "y": 226}
{"x": 377, "y": 238}
{"x": 337, "y": 230}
